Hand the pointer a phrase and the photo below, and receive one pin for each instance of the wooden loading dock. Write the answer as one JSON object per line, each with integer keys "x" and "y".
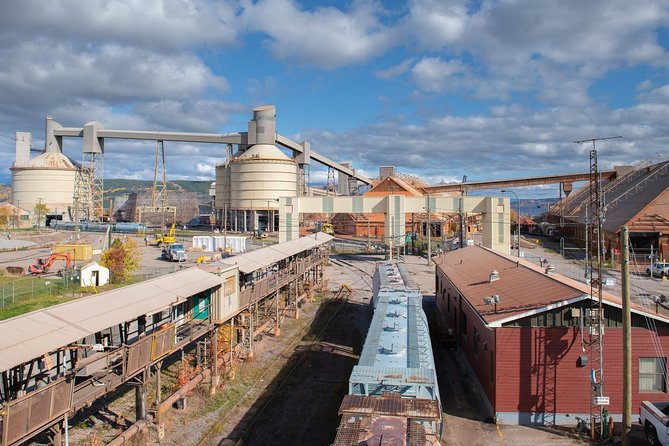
{"x": 56, "y": 361}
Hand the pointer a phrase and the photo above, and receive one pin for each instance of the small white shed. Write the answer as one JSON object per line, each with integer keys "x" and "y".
{"x": 94, "y": 274}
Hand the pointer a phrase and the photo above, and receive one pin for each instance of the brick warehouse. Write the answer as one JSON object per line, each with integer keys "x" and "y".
{"x": 528, "y": 351}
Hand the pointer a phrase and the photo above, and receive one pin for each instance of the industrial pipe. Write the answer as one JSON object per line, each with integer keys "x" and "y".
{"x": 190, "y": 385}
{"x": 129, "y": 433}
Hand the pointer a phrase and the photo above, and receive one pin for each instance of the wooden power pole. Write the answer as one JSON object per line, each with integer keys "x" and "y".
{"x": 627, "y": 339}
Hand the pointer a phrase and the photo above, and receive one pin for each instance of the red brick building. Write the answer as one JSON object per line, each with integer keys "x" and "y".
{"x": 529, "y": 352}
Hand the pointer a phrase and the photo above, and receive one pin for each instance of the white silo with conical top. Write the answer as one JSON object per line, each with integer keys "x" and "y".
{"x": 249, "y": 185}
{"x": 48, "y": 178}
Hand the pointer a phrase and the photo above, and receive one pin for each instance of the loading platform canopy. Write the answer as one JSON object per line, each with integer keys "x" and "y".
{"x": 268, "y": 256}
{"x": 34, "y": 334}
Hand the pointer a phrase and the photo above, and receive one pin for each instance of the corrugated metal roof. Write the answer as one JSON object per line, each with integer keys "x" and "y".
{"x": 266, "y": 257}
{"x": 31, "y": 335}
{"x": 523, "y": 287}
{"x": 631, "y": 200}
{"x": 397, "y": 348}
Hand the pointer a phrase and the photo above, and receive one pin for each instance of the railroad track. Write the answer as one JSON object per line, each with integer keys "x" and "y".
{"x": 273, "y": 369}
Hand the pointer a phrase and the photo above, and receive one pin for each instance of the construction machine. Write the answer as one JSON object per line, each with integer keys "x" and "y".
{"x": 43, "y": 265}
{"x": 162, "y": 239}
{"x": 327, "y": 228}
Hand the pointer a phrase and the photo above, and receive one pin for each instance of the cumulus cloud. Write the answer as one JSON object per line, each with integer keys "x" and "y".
{"x": 436, "y": 75}
{"x": 508, "y": 142}
{"x": 396, "y": 70}
{"x": 156, "y": 24}
{"x": 660, "y": 94}
{"x": 324, "y": 37}
{"x": 437, "y": 23}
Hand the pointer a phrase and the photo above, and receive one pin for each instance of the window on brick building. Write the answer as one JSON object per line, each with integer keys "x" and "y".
{"x": 651, "y": 374}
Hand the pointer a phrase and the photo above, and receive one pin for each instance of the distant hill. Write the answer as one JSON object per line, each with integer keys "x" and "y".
{"x": 115, "y": 187}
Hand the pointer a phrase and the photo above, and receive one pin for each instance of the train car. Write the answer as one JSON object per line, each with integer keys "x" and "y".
{"x": 393, "y": 391}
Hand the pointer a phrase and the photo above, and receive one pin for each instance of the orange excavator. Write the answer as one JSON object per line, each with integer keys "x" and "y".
{"x": 43, "y": 265}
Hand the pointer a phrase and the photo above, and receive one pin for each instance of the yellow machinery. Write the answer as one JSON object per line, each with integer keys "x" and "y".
{"x": 327, "y": 228}
{"x": 162, "y": 239}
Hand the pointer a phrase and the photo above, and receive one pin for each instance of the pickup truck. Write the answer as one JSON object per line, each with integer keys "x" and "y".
{"x": 658, "y": 269}
{"x": 174, "y": 252}
{"x": 654, "y": 417}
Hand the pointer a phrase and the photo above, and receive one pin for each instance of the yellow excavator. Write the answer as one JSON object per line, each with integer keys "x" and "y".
{"x": 162, "y": 239}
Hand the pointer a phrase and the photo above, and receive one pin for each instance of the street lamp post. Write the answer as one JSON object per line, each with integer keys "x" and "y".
{"x": 517, "y": 220}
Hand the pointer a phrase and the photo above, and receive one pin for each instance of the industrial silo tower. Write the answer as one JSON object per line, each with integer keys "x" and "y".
{"x": 251, "y": 181}
{"x": 48, "y": 178}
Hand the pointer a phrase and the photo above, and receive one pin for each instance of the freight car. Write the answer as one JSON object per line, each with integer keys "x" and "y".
{"x": 86, "y": 226}
{"x": 393, "y": 391}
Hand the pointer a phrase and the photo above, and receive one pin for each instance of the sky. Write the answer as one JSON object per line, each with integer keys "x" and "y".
{"x": 438, "y": 88}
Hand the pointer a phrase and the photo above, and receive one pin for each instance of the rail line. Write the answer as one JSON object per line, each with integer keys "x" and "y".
{"x": 279, "y": 362}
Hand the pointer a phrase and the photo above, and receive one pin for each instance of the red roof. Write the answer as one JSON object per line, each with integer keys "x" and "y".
{"x": 523, "y": 287}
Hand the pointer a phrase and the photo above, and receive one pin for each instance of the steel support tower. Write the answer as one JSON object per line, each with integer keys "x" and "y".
{"x": 594, "y": 317}
{"x": 159, "y": 193}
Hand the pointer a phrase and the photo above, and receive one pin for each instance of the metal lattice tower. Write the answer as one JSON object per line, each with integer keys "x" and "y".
{"x": 331, "y": 186}
{"x": 595, "y": 315}
{"x": 303, "y": 180}
{"x": 159, "y": 193}
{"x": 88, "y": 200}
{"x": 594, "y": 318}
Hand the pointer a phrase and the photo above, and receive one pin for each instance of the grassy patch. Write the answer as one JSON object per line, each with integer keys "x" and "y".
{"x": 27, "y": 305}
{"x": 20, "y": 295}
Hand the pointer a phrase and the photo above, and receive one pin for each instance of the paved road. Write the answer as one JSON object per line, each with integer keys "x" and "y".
{"x": 642, "y": 287}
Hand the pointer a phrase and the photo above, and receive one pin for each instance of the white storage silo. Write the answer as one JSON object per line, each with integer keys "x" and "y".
{"x": 256, "y": 177}
{"x": 48, "y": 178}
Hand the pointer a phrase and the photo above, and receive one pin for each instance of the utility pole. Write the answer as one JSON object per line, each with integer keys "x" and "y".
{"x": 627, "y": 339}
{"x": 429, "y": 232}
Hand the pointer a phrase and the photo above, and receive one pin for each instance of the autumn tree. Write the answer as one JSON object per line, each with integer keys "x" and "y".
{"x": 5, "y": 217}
{"x": 122, "y": 258}
{"x": 40, "y": 211}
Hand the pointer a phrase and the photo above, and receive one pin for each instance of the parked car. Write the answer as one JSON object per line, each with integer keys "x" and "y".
{"x": 658, "y": 269}
{"x": 654, "y": 417}
{"x": 174, "y": 252}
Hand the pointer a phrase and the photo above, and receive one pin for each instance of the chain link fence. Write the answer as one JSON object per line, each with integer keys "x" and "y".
{"x": 15, "y": 290}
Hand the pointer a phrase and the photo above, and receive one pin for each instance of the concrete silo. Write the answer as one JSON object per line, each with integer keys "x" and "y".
{"x": 48, "y": 178}
{"x": 249, "y": 184}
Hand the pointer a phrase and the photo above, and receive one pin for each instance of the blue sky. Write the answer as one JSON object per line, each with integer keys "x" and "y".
{"x": 438, "y": 88}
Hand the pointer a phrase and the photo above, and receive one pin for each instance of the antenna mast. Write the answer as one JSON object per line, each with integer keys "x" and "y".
{"x": 595, "y": 314}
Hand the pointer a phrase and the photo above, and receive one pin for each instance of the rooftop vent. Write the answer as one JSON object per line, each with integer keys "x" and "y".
{"x": 550, "y": 269}
{"x": 388, "y": 351}
{"x": 494, "y": 275}
{"x": 394, "y": 328}
{"x": 394, "y": 314}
